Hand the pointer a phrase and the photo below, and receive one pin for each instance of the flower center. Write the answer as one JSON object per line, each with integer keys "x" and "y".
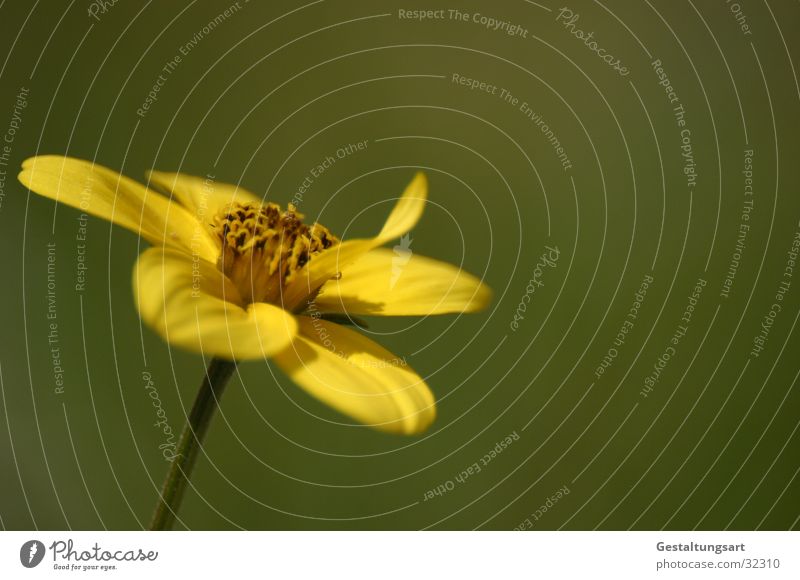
{"x": 264, "y": 247}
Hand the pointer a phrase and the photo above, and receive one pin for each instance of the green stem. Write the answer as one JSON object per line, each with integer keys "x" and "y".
{"x": 217, "y": 376}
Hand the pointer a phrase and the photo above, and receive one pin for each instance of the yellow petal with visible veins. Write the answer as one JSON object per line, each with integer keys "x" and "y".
{"x": 104, "y": 193}
{"x": 203, "y": 197}
{"x": 327, "y": 264}
{"x": 357, "y": 377}
{"x": 386, "y": 283}
{"x": 193, "y": 305}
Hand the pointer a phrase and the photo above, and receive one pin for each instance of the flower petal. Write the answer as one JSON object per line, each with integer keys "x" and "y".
{"x": 203, "y": 197}
{"x": 326, "y": 265}
{"x": 106, "y": 194}
{"x": 320, "y": 269}
{"x": 387, "y": 283}
{"x": 407, "y": 210}
{"x": 357, "y": 377}
{"x": 193, "y": 305}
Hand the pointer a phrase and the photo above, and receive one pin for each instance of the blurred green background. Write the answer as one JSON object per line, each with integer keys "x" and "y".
{"x": 269, "y": 90}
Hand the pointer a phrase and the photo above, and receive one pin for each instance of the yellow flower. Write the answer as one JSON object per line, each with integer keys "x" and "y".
{"x": 232, "y": 277}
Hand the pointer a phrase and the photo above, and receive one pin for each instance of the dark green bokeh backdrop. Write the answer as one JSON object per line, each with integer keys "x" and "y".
{"x": 269, "y": 91}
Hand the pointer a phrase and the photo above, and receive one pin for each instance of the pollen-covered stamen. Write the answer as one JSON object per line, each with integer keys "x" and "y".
{"x": 263, "y": 247}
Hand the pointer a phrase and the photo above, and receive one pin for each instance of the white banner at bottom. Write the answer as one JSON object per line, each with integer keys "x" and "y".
{"x": 390, "y": 555}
